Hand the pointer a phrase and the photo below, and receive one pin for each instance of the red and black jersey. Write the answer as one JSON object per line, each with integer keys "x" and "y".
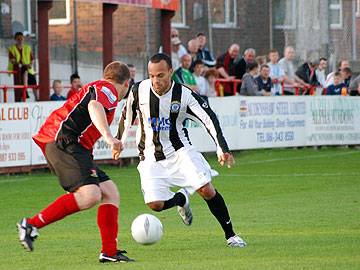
{"x": 72, "y": 123}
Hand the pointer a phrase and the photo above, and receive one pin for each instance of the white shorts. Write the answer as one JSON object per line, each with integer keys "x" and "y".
{"x": 186, "y": 168}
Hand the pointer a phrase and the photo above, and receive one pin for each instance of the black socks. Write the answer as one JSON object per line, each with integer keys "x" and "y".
{"x": 178, "y": 199}
{"x": 218, "y": 208}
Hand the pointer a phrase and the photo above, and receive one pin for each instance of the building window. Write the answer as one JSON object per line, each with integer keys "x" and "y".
{"x": 59, "y": 14}
{"x": 179, "y": 20}
{"x": 21, "y": 16}
{"x": 223, "y": 13}
{"x": 284, "y": 14}
{"x": 335, "y": 14}
{"x": 358, "y": 8}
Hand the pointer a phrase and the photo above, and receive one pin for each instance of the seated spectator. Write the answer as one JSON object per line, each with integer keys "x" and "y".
{"x": 211, "y": 75}
{"x": 58, "y": 88}
{"x": 203, "y": 53}
{"x": 183, "y": 74}
{"x": 276, "y": 72}
{"x": 200, "y": 80}
{"x": 264, "y": 80}
{"x": 338, "y": 88}
{"x": 75, "y": 85}
{"x": 225, "y": 65}
{"x": 249, "y": 86}
{"x": 330, "y": 77}
{"x": 346, "y": 74}
{"x": 354, "y": 88}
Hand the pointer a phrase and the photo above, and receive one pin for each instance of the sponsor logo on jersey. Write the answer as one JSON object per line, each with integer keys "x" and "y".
{"x": 111, "y": 97}
{"x": 159, "y": 123}
{"x": 175, "y": 107}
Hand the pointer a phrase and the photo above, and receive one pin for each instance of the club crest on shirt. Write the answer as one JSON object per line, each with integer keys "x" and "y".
{"x": 205, "y": 105}
{"x": 175, "y": 107}
{"x": 111, "y": 97}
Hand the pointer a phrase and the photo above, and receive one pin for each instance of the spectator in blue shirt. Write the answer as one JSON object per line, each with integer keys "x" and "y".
{"x": 58, "y": 88}
{"x": 338, "y": 88}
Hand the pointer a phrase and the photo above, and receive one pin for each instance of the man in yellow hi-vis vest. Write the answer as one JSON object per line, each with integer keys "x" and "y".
{"x": 20, "y": 60}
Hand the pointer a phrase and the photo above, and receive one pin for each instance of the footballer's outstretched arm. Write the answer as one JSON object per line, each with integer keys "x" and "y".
{"x": 202, "y": 111}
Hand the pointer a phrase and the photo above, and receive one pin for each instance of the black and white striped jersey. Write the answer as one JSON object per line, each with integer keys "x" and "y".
{"x": 161, "y": 120}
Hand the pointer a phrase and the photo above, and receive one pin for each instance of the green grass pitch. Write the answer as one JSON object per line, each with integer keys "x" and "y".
{"x": 296, "y": 208}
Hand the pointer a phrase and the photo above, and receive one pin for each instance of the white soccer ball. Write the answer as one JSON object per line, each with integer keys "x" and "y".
{"x": 146, "y": 229}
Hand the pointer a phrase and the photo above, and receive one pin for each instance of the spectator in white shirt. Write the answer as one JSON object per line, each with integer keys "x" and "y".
{"x": 330, "y": 77}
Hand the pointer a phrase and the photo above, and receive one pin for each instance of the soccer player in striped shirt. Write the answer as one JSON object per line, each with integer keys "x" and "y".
{"x": 67, "y": 138}
{"x": 167, "y": 157}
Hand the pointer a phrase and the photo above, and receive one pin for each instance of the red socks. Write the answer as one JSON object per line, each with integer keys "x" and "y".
{"x": 107, "y": 220}
{"x": 63, "y": 206}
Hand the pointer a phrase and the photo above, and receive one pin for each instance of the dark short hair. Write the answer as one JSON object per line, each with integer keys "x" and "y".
{"x": 117, "y": 71}
{"x": 130, "y": 65}
{"x": 337, "y": 74}
{"x": 251, "y": 66}
{"x": 322, "y": 59}
{"x": 157, "y": 58}
{"x": 74, "y": 76}
{"x": 273, "y": 51}
{"x": 198, "y": 62}
{"x": 264, "y": 66}
{"x": 18, "y": 34}
{"x": 200, "y": 34}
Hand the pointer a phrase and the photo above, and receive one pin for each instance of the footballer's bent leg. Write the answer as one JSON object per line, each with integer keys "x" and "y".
{"x": 218, "y": 208}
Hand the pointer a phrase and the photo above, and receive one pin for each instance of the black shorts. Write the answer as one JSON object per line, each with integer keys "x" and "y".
{"x": 74, "y": 166}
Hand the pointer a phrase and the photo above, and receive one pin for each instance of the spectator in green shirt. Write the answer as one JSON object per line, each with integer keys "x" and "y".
{"x": 183, "y": 74}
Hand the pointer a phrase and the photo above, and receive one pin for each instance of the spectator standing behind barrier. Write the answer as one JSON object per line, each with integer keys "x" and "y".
{"x": 264, "y": 80}
{"x": 203, "y": 53}
{"x": 20, "y": 60}
{"x": 354, "y": 88}
{"x": 175, "y": 47}
{"x": 175, "y": 34}
{"x": 306, "y": 72}
{"x": 193, "y": 47}
{"x": 320, "y": 71}
{"x": 75, "y": 85}
{"x": 241, "y": 65}
{"x": 346, "y": 74}
{"x": 249, "y": 86}
{"x": 211, "y": 75}
{"x": 287, "y": 64}
{"x": 225, "y": 65}
{"x": 330, "y": 77}
{"x": 338, "y": 88}
{"x": 183, "y": 74}
{"x": 132, "y": 70}
{"x": 200, "y": 80}
{"x": 58, "y": 88}
{"x": 276, "y": 72}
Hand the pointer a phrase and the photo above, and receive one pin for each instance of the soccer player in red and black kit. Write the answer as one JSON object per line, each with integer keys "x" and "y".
{"x": 66, "y": 139}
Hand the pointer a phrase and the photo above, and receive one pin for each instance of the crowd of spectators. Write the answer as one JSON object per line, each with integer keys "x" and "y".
{"x": 231, "y": 73}
{"x": 255, "y": 75}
